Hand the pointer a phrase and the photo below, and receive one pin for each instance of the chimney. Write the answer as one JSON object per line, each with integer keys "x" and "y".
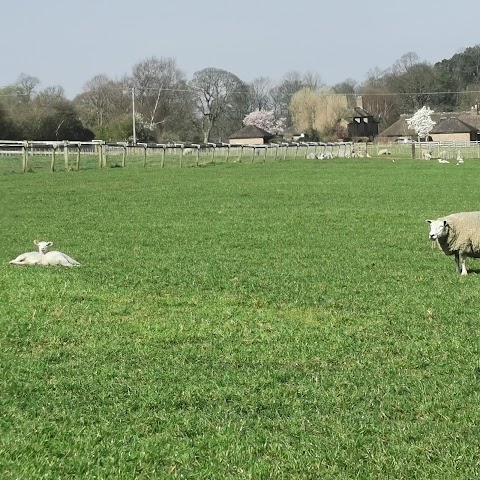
{"x": 359, "y": 101}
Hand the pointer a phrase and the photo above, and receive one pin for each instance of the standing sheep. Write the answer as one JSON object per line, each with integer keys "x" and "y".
{"x": 458, "y": 234}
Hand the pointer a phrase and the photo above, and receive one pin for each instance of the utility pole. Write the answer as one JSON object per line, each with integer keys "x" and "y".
{"x": 133, "y": 117}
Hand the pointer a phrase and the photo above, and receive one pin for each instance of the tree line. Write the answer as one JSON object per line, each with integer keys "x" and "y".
{"x": 214, "y": 102}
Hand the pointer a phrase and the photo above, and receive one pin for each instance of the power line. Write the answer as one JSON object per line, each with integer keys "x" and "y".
{"x": 326, "y": 94}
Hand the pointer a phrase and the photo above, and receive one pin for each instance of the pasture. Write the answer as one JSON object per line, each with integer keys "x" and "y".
{"x": 255, "y": 320}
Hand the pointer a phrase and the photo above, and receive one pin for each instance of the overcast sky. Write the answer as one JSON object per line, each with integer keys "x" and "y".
{"x": 66, "y": 43}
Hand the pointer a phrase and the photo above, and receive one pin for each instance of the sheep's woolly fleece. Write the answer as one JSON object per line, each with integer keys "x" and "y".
{"x": 458, "y": 234}
{"x": 44, "y": 257}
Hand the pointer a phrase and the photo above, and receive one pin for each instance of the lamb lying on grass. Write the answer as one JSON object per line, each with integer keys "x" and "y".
{"x": 44, "y": 257}
{"x": 458, "y": 234}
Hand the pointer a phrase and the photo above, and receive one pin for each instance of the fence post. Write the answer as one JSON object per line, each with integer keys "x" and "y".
{"x": 104, "y": 155}
{"x": 99, "y": 147}
{"x": 163, "y": 155}
{"x": 24, "y": 157}
{"x": 52, "y": 166}
{"x": 145, "y": 155}
{"x": 65, "y": 154}
{"x": 124, "y": 155}
{"x": 79, "y": 147}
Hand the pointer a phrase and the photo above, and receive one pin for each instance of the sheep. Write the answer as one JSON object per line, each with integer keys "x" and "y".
{"x": 187, "y": 151}
{"x": 440, "y": 160}
{"x": 32, "y": 258}
{"x": 459, "y": 158}
{"x": 384, "y": 151}
{"x": 311, "y": 156}
{"x": 458, "y": 234}
{"x": 59, "y": 258}
{"x": 426, "y": 155}
{"x": 44, "y": 257}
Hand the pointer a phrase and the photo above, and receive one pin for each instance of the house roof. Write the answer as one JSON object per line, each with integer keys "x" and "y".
{"x": 464, "y": 122}
{"x": 293, "y": 130}
{"x": 251, "y": 131}
{"x": 453, "y": 125}
{"x": 358, "y": 112}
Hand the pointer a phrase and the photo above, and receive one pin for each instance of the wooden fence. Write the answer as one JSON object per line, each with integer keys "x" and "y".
{"x": 71, "y": 154}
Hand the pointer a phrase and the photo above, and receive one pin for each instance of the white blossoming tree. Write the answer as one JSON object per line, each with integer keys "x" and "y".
{"x": 265, "y": 119}
{"x": 421, "y": 122}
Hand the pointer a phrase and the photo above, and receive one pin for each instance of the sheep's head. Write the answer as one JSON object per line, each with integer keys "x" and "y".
{"x": 43, "y": 246}
{"x": 438, "y": 228}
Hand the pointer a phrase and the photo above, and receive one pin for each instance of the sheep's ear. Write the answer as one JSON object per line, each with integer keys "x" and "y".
{"x": 35, "y": 242}
{"x": 429, "y": 221}
{"x": 445, "y": 223}
{"x": 49, "y": 244}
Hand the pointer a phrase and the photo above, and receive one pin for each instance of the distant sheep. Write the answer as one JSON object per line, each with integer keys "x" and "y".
{"x": 426, "y": 155}
{"x": 458, "y": 234}
{"x": 384, "y": 151}
{"x": 44, "y": 257}
{"x": 440, "y": 160}
{"x": 187, "y": 151}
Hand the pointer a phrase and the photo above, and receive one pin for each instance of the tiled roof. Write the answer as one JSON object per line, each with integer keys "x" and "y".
{"x": 251, "y": 131}
{"x": 453, "y": 125}
{"x": 464, "y": 121}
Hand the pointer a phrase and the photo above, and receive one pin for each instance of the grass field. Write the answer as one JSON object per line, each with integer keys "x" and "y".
{"x": 285, "y": 320}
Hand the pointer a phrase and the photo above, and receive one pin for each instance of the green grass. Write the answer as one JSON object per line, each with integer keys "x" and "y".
{"x": 279, "y": 320}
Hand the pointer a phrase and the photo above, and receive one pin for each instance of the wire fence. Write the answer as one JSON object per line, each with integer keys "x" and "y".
{"x": 28, "y": 156}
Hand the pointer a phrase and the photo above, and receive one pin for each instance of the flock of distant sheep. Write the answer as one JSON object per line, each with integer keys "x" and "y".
{"x": 442, "y": 157}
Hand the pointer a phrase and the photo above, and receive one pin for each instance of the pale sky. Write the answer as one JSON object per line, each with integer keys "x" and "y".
{"x": 67, "y": 43}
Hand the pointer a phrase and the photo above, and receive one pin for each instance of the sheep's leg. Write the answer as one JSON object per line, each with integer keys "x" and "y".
{"x": 462, "y": 265}
{"x": 457, "y": 262}
{"x": 29, "y": 258}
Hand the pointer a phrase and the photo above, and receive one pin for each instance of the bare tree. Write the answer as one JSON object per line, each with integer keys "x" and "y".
{"x": 259, "y": 91}
{"x": 26, "y": 85}
{"x": 291, "y": 83}
{"x": 217, "y": 94}
{"x": 102, "y": 100}
{"x": 157, "y": 82}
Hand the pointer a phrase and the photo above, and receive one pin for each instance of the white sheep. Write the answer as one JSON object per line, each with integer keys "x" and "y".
{"x": 44, "y": 257}
{"x": 187, "y": 151}
{"x": 440, "y": 160}
{"x": 426, "y": 155}
{"x": 458, "y": 234}
{"x": 459, "y": 158}
{"x": 311, "y": 156}
{"x": 384, "y": 151}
